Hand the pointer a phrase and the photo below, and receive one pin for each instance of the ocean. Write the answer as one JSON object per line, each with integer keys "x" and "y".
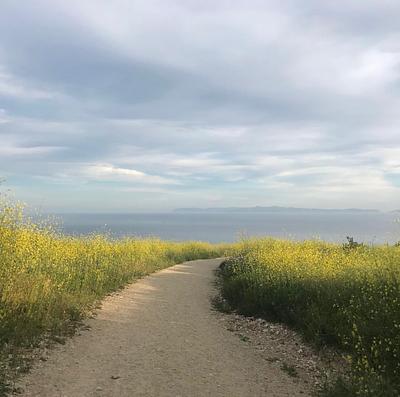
{"x": 368, "y": 227}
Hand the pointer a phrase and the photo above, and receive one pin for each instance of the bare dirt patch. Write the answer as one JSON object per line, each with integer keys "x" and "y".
{"x": 159, "y": 337}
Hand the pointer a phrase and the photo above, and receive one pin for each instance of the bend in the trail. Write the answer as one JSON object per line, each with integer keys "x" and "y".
{"x": 159, "y": 337}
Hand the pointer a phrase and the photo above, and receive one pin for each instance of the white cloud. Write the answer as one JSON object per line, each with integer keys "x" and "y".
{"x": 108, "y": 172}
{"x": 238, "y": 101}
{"x": 11, "y": 150}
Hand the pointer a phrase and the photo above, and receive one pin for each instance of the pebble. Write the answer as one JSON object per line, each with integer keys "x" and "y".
{"x": 282, "y": 343}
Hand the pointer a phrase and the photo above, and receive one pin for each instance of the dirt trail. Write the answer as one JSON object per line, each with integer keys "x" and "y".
{"x": 159, "y": 337}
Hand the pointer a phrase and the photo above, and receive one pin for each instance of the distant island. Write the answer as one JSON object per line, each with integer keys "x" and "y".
{"x": 270, "y": 209}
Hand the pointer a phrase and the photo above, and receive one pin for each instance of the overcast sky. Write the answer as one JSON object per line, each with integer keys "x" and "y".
{"x": 149, "y": 105}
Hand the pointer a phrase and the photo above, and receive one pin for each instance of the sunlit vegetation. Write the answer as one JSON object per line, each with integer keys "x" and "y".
{"x": 347, "y": 296}
{"x": 50, "y": 282}
{"x": 47, "y": 279}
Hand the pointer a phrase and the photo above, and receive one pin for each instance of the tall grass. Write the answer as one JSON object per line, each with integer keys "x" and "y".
{"x": 47, "y": 279}
{"x": 346, "y": 296}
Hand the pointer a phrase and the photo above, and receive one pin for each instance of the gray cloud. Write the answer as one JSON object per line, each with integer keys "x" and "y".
{"x": 235, "y": 103}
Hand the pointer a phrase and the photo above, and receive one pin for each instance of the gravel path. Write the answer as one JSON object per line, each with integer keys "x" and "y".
{"x": 159, "y": 337}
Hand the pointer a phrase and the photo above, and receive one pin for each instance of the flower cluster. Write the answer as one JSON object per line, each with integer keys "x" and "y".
{"x": 346, "y": 297}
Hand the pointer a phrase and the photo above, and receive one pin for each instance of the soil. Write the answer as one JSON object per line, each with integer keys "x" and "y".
{"x": 161, "y": 337}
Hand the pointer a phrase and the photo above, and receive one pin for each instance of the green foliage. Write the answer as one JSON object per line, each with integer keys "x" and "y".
{"x": 290, "y": 370}
{"x": 47, "y": 280}
{"x": 351, "y": 244}
{"x": 349, "y": 298}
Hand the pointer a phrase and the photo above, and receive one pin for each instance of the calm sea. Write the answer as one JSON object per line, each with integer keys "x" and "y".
{"x": 218, "y": 227}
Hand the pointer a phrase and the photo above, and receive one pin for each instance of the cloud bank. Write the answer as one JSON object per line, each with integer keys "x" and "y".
{"x": 143, "y": 106}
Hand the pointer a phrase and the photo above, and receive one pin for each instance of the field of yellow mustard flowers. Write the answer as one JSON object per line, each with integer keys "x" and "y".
{"x": 347, "y": 296}
{"x": 47, "y": 280}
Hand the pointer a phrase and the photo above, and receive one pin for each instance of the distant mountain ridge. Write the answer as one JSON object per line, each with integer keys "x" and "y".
{"x": 270, "y": 209}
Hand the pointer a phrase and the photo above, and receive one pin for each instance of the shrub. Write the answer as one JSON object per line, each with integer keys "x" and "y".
{"x": 349, "y": 298}
{"x": 47, "y": 279}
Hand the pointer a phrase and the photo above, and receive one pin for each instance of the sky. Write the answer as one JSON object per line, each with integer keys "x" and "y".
{"x": 129, "y": 106}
